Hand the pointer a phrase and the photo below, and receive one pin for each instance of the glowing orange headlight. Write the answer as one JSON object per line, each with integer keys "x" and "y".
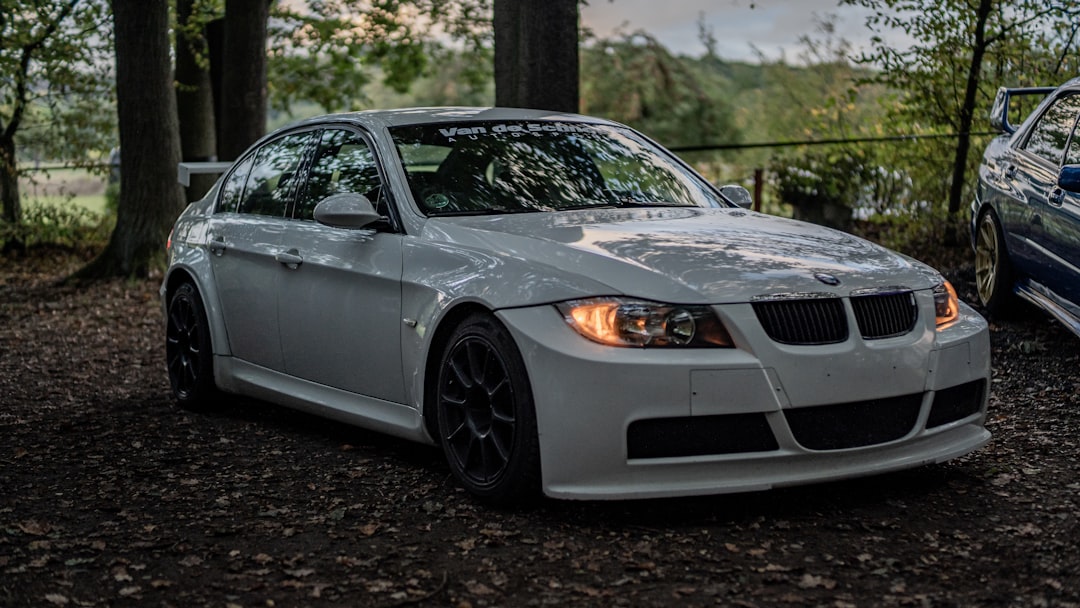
{"x": 946, "y": 304}
{"x": 626, "y": 322}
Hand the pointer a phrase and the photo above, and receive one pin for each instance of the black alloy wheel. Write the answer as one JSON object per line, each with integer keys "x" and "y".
{"x": 486, "y": 416}
{"x": 188, "y": 355}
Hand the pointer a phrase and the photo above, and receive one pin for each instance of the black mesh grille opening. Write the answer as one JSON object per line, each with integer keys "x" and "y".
{"x": 852, "y": 425}
{"x": 956, "y": 402}
{"x": 885, "y": 315}
{"x": 699, "y": 436}
{"x": 810, "y": 321}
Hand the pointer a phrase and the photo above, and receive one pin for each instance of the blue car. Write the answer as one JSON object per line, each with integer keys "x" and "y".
{"x": 1025, "y": 219}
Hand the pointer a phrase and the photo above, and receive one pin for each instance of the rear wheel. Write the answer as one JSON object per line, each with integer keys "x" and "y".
{"x": 993, "y": 272}
{"x": 486, "y": 416}
{"x": 188, "y": 355}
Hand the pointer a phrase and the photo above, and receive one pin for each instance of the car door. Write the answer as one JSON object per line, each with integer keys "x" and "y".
{"x": 1038, "y": 161}
{"x": 244, "y": 240}
{"x": 1061, "y": 223}
{"x": 340, "y": 304}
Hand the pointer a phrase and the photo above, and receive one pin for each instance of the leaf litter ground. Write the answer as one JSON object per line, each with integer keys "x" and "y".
{"x": 112, "y": 496}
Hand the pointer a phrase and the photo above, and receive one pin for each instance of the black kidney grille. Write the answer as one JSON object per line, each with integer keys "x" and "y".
{"x": 885, "y": 315}
{"x": 808, "y": 321}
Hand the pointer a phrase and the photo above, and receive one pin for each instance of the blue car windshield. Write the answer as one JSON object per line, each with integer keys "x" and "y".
{"x": 477, "y": 168}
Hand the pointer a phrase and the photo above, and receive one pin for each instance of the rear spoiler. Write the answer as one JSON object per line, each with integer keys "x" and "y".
{"x": 999, "y": 113}
{"x": 184, "y": 171}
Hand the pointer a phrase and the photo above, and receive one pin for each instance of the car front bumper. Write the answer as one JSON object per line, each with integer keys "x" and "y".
{"x": 617, "y": 423}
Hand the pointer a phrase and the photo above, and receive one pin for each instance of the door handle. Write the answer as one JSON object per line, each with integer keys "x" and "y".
{"x": 1057, "y": 197}
{"x": 217, "y": 245}
{"x": 290, "y": 258}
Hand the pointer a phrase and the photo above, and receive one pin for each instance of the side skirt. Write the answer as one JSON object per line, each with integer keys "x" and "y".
{"x": 240, "y": 377}
{"x": 1050, "y": 302}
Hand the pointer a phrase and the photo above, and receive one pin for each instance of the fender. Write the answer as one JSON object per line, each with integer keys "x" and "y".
{"x": 189, "y": 256}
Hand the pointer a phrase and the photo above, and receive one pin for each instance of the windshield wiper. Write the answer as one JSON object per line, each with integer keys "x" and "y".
{"x": 581, "y": 206}
{"x": 629, "y": 203}
{"x": 489, "y": 211}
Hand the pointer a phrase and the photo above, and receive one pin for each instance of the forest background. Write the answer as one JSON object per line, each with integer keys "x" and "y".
{"x": 883, "y": 142}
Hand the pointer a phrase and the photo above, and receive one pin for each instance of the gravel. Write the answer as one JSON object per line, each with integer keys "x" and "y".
{"x": 112, "y": 496}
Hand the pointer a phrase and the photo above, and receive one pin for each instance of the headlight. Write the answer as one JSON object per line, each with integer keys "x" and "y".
{"x": 625, "y": 322}
{"x": 946, "y": 304}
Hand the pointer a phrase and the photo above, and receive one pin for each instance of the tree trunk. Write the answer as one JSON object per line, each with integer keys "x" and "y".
{"x": 194, "y": 101}
{"x": 9, "y": 182}
{"x": 150, "y": 196}
{"x": 967, "y": 110}
{"x": 243, "y": 103}
{"x": 215, "y": 42}
{"x": 536, "y": 54}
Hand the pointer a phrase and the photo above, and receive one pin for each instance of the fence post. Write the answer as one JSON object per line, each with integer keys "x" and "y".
{"x": 758, "y": 187}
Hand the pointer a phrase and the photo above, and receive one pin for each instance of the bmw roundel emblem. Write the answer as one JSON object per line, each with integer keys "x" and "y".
{"x": 827, "y": 279}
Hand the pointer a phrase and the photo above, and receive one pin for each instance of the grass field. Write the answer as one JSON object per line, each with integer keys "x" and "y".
{"x": 65, "y": 189}
{"x": 94, "y": 203}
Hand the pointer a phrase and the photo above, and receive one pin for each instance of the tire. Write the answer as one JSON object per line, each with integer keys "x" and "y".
{"x": 993, "y": 272}
{"x": 188, "y": 354}
{"x": 486, "y": 416}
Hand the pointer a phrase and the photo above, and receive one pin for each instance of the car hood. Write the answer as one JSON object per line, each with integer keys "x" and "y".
{"x": 688, "y": 255}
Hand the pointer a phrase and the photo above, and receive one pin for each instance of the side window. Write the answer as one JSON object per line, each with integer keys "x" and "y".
{"x": 271, "y": 182}
{"x": 1050, "y": 134}
{"x": 233, "y": 189}
{"x": 1072, "y": 156}
{"x": 343, "y": 163}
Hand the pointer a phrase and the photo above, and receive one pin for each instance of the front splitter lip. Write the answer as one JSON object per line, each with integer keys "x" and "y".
{"x": 677, "y": 477}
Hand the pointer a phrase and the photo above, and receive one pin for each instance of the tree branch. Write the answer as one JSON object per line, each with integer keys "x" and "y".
{"x": 23, "y": 74}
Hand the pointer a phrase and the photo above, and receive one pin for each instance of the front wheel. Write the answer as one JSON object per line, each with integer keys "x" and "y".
{"x": 993, "y": 272}
{"x": 486, "y": 416}
{"x": 188, "y": 355}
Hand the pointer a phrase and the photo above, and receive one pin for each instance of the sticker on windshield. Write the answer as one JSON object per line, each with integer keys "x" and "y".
{"x": 515, "y": 129}
{"x": 436, "y": 201}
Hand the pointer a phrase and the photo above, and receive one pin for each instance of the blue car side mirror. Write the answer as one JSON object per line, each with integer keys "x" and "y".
{"x": 1069, "y": 178}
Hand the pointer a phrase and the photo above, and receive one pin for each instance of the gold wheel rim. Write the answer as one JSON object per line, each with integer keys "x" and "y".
{"x": 987, "y": 258}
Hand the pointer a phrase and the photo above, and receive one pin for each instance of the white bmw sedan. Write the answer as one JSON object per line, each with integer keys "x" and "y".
{"x": 564, "y": 307}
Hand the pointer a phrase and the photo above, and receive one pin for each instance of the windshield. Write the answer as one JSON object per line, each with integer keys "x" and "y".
{"x": 476, "y": 168}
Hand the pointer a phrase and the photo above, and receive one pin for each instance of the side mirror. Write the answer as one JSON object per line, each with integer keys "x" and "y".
{"x": 346, "y": 210}
{"x": 1069, "y": 178}
{"x": 738, "y": 195}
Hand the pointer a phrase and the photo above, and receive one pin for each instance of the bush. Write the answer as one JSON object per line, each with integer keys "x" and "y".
{"x": 922, "y": 235}
{"x": 112, "y": 198}
{"x": 52, "y": 224}
{"x": 821, "y": 188}
{"x": 834, "y": 189}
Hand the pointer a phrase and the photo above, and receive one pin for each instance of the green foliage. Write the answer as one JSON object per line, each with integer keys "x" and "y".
{"x": 960, "y": 52}
{"x": 56, "y": 224}
{"x": 330, "y": 51}
{"x": 821, "y": 187}
{"x": 59, "y": 103}
{"x": 112, "y": 198}
{"x": 453, "y": 78}
{"x": 635, "y": 80}
{"x": 921, "y": 235}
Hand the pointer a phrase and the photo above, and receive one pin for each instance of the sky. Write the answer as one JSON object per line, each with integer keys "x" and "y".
{"x": 773, "y": 26}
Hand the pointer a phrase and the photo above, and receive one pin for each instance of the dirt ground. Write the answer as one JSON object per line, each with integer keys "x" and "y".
{"x": 112, "y": 496}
